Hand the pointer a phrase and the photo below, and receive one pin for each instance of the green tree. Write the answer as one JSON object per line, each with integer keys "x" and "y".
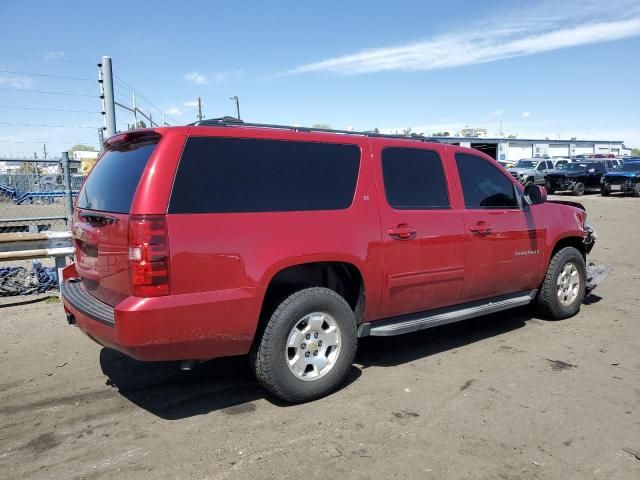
{"x": 635, "y": 152}
{"x": 79, "y": 147}
{"x": 324, "y": 126}
{"x": 512, "y": 136}
{"x": 27, "y": 167}
{"x": 440, "y": 134}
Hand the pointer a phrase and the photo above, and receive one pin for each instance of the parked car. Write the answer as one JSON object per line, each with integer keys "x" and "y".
{"x": 531, "y": 171}
{"x": 290, "y": 244}
{"x": 575, "y": 177}
{"x": 625, "y": 179}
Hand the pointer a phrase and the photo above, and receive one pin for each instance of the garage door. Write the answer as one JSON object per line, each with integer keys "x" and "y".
{"x": 558, "y": 150}
{"x": 518, "y": 151}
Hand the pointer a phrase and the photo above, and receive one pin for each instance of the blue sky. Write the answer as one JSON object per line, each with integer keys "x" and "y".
{"x": 546, "y": 68}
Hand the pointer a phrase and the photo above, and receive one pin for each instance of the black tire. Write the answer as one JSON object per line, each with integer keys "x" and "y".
{"x": 604, "y": 191}
{"x": 578, "y": 189}
{"x": 549, "y": 188}
{"x": 636, "y": 190}
{"x": 548, "y": 302}
{"x": 269, "y": 355}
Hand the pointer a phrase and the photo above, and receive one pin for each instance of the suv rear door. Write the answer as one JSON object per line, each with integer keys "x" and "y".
{"x": 101, "y": 217}
{"x": 422, "y": 238}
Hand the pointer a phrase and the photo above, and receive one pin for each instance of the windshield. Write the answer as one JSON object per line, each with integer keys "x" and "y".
{"x": 572, "y": 167}
{"x": 630, "y": 167}
{"x": 525, "y": 164}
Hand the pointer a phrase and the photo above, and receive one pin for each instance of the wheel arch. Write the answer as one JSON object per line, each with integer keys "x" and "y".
{"x": 342, "y": 276}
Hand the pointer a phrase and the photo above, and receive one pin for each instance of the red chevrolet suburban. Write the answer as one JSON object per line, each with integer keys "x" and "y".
{"x": 289, "y": 244}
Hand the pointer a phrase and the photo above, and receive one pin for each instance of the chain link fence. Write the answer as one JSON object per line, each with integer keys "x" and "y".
{"x": 33, "y": 200}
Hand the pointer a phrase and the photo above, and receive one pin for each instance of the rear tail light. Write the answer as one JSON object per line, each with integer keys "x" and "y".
{"x": 149, "y": 255}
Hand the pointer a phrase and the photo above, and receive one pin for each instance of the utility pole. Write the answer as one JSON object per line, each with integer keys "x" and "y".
{"x": 199, "y": 109}
{"x": 105, "y": 79}
{"x": 135, "y": 110}
{"x": 101, "y": 138}
{"x": 235, "y": 97}
{"x": 44, "y": 150}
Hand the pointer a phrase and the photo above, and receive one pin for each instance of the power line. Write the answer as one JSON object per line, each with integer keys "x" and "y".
{"x": 41, "y": 141}
{"x": 44, "y": 59}
{"x": 140, "y": 98}
{"x": 49, "y": 126}
{"x": 34, "y": 74}
{"x": 49, "y": 93}
{"x": 16, "y": 107}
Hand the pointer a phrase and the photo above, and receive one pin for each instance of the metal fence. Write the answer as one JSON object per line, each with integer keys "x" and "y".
{"x": 36, "y": 199}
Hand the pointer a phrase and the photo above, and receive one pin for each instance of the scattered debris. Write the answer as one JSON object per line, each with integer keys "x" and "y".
{"x": 559, "y": 365}
{"x": 467, "y": 384}
{"x": 62, "y": 365}
{"x": 633, "y": 452}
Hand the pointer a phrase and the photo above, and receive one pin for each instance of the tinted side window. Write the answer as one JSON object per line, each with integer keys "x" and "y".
{"x": 113, "y": 181}
{"x": 414, "y": 179}
{"x": 218, "y": 175}
{"x": 483, "y": 185}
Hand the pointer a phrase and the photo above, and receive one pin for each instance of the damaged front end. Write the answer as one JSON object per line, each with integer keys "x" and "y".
{"x": 595, "y": 273}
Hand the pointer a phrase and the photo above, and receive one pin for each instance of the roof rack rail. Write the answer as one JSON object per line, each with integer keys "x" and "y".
{"x": 236, "y": 122}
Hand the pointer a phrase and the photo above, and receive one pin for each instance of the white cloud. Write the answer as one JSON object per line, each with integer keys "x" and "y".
{"x": 56, "y": 55}
{"x": 13, "y": 81}
{"x": 197, "y": 78}
{"x": 191, "y": 104}
{"x": 220, "y": 77}
{"x": 496, "y": 113}
{"x": 173, "y": 111}
{"x": 569, "y": 24}
{"x": 526, "y": 114}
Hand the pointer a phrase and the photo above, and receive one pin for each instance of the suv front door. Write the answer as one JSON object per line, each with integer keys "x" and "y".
{"x": 422, "y": 238}
{"x": 504, "y": 243}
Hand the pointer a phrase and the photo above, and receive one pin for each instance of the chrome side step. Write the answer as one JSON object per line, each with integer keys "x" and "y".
{"x": 442, "y": 316}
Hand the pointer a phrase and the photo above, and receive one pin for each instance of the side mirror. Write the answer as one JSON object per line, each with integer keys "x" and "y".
{"x": 536, "y": 194}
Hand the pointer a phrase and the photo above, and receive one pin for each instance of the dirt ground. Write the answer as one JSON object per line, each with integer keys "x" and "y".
{"x": 507, "y": 396}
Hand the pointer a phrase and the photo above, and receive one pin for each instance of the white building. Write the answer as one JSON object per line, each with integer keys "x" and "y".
{"x": 517, "y": 148}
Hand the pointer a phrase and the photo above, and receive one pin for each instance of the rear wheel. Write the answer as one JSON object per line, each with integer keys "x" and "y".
{"x": 307, "y": 346}
{"x": 578, "y": 189}
{"x": 636, "y": 190}
{"x": 604, "y": 191}
{"x": 563, "y": 289}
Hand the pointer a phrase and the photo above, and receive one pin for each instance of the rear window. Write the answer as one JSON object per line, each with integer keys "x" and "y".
{"x": 224, "y": 175}
{"x": 112, "y": 183}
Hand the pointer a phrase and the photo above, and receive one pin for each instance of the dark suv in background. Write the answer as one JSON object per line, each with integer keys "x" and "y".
{"x": 625, "y": 179}
{"x": 576, "y": 178}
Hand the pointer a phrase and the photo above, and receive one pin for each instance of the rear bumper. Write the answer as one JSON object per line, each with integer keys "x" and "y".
{"x": 194, "y": 326}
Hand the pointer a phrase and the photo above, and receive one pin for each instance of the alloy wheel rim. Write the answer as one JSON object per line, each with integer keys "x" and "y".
{"x": 313, "y": 346}
{"x": 568, "y": 284}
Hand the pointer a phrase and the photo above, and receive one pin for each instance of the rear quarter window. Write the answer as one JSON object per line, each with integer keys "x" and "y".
{"x": 234, "y": 175}
{"x": 112, "y": 183}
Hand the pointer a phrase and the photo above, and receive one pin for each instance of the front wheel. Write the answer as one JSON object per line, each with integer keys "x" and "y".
{"x": 578, "y": 189}
{"x": 604, "y": 191}
{"x": 307, "y": 346}
{"x": 563, "y": 289}
{"x": 636, "y": 190}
